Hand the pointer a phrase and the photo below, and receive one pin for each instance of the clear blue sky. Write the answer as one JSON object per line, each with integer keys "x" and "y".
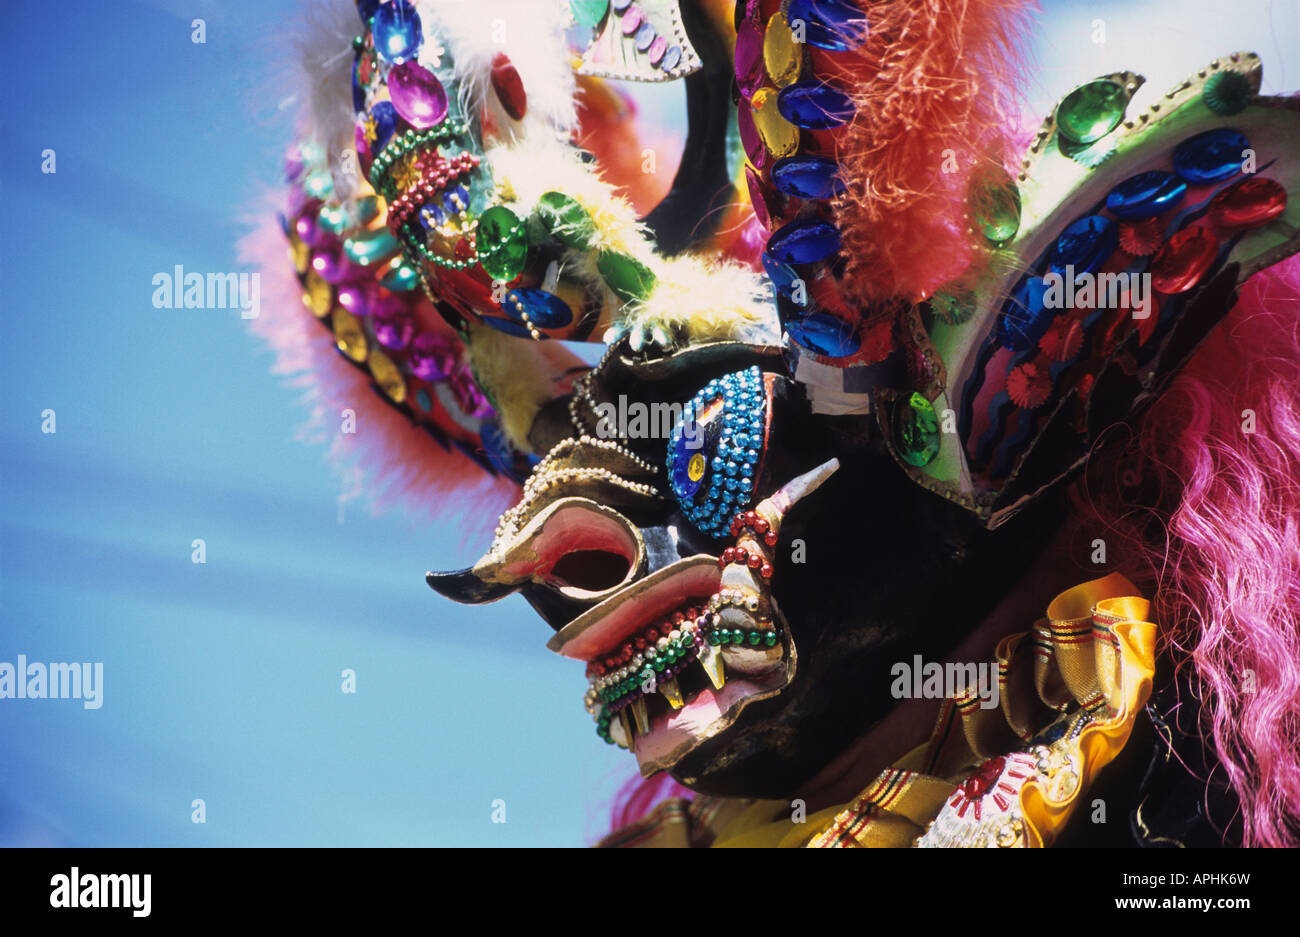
{"x": 222, "y": 680}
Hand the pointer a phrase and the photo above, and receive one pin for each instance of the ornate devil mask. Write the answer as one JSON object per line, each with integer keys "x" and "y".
{"x": 851, "y": 357}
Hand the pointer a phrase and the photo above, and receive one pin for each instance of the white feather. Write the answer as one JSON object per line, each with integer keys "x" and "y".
{"x": 325, "y": 60}
{"x": 532, "y": 34}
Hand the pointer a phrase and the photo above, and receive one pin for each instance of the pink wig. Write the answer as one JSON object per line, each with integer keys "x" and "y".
{"x": 1206, "y": 499}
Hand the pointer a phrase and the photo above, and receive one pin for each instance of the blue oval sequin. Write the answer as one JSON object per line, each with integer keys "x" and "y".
{"x": 545, "y": 310}
{"x": 1211, "y": 156}
{"x": 1024, "y": 317}
{"x": 825, "y": 335}
{"x": 1145, "y": 195}
{"x": 808, "y": 176}
{"x": 834, "y": 25}
{"x": 397, "y": 31}
{"x": 814, "y": 105}
{"x": 431, "y": 216}
{"x": 783, "y": 278}
{"x": 671, "y": 59}
{"x": 1085, "y": 245}
{"x": 386, "y": 123}
{"x": 456, "y": 200}
{"x": 644, "y": 36}
{"x": 804, "y": 242}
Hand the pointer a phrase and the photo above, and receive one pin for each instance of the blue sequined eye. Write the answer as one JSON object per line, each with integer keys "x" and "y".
{"x": 714, "y": 452}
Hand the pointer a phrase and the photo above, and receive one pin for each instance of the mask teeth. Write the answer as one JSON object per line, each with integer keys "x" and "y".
{"x": 632, "y": 717}
{"x": 621, "y": 730}
{"x": 711, "y": 660}
{"x": 672, "y": 692}
{"x": 641, "y": 715}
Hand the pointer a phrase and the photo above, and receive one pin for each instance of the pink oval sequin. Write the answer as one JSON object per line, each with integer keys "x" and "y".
{"x": 632, "y": 20}
{"x": 757, "y": 198}
{"x": 657, "y": 50}
{"x": 417, "y": 94}
{"x": 749, "y": 58}
{"x": 749, "y": 137}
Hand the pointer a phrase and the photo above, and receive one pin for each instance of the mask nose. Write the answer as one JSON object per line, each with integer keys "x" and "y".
{"x": 576, "y": 548}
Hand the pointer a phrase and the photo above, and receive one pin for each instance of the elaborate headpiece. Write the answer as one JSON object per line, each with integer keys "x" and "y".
{"x": 847, "y": 263}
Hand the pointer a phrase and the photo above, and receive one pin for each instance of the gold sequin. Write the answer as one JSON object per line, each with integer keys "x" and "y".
{"x": 349, "y": 335}
{"x": 299, "y": 253}
{"x": 695, "y": 468}
{"x": 387, "y": 376}
{"x": 781, "y": 54}
{"x": 779, "y": 135}
{"x": 319, "y": 295}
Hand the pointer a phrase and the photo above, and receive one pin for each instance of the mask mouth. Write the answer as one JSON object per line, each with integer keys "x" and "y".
{"x": 673, "y": 659}
{"x": 579, "y": 548}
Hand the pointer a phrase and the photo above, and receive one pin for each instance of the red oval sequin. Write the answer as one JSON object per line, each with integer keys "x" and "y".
{"x": 509, "y": 86}
{"x": 1183, "y": 260}
{"x": 1248, "y": 204}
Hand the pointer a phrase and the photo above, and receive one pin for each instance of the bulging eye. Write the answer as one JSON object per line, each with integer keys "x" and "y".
{"x": 715, "y": 451}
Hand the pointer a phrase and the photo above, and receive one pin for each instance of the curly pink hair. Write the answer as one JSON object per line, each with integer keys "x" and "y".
{"x": 1206, "y": 498}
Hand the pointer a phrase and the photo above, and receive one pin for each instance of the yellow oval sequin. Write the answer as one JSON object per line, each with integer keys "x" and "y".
{"x": 695, "y": 468}
{"x": 349, "y": 335}
{"x": 387, "y": 376}
{"x": 781, "y": 54}
{"x": 299, "y": 253}
{"x": 779, "y": 135}
{"x": 318, "y": 296}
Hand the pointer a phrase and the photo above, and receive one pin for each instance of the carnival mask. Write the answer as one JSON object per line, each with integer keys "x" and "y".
{"x": 834, "y": 418}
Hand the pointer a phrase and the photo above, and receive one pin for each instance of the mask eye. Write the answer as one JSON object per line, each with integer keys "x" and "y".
{"x": 715, "y": 452}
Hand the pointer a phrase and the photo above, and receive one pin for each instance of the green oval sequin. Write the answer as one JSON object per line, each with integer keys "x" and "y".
{"x": 370, "y": 247}
{"x": 996, "y": 207}
{"x": 952, "y": 308}
{"x": 1091, "y": 111}
{"x": 333, "y": 219}
{"x": 566, "y": 220}
{"x": 916, "y": 430}
{"x": 399, "y": 278}
{"x": 319, "y": 185}
{"x": 502, "y": 244}
{"x": 625, "y": 275}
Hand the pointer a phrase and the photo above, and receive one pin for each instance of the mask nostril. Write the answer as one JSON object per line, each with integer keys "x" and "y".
{"x": 591, "y": 570}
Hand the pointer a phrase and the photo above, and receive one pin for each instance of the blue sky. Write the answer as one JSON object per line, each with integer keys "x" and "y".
{"x": 222, "y": 680}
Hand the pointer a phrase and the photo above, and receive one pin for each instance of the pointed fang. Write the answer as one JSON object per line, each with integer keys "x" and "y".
{"x": 672, "y": 693}
{"x": 711, "y": 660}
{"x": 641, "y": 715}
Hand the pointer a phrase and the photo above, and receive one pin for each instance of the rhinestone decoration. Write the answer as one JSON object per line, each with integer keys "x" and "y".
{"x": 1091, "y": 111}
{"x": 715, "y": 451}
